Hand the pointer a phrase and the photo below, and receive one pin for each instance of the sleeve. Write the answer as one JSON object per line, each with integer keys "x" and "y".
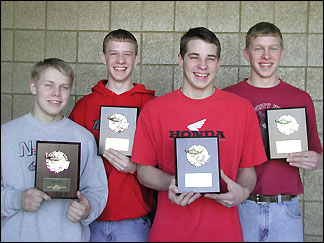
{"x": 314, "y": 142}
{"x": 10, "y": 200}
{"x": 146, "y": 98}
{"x": 10, "y": 197}
{"x": 144, "y": 147}
{"x": 253, "y": 152}
{"x": 93, "y": 181}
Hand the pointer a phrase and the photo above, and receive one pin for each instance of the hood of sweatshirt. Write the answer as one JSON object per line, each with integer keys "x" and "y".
{"x": 101, "y": 89}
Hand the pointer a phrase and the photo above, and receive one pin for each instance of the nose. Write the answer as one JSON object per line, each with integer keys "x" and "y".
{"x": 56, "y": 91}
{"x": 202, "y": 65}
{"x": 120, "y": 59}
{"x": 266, "y": 54}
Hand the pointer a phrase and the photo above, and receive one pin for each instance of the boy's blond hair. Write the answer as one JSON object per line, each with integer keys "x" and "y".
{"x": 56, "y": 63}
{"x": 262, "y": 29}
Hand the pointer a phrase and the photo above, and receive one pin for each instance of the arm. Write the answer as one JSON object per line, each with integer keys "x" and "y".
{"x": 308, "y": 160}
{"x": 237, "y": 192}
{"x": 153, "y": 178}
{"x": 93, "y": 186}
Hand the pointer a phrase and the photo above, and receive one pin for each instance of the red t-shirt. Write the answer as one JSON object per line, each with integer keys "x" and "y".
{"x": 277, "y": 176}
{"x": 127, "y": 198}
{"x": 229, "y": 117}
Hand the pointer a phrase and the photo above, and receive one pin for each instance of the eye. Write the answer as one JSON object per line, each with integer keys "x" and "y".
{"x": 48, "y": 85}
{"x": 65, "y": 87}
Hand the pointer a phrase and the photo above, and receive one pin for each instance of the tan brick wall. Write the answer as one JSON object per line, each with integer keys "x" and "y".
{"x": 74, "y": 30}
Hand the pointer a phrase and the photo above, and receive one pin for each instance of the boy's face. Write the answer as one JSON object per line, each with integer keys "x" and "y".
{"x": 264, "y": 55}
{"x": 120, "y": 59}
{"x": 199, "y": 64}
{"x": 52, "y": 92}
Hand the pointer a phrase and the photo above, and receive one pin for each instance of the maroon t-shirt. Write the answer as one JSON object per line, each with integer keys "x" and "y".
{"x": 277, "y": 176}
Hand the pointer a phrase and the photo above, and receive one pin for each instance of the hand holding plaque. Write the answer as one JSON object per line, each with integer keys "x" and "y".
{"x": 117, "y": 128}
{"x": 58, "y": 168}
{"x": 287, "y": 131}
{"x": 197, "y": 164}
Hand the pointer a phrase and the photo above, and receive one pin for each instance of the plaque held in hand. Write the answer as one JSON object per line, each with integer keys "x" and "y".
{"x": 197, "y": 164}
{"x": 287, "y": 131}
{"x": 117, "y": 128}
{"x": 58, "y": 168}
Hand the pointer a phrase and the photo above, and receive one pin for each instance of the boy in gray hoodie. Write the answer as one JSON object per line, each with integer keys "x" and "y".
{"x": 27, "y": 213}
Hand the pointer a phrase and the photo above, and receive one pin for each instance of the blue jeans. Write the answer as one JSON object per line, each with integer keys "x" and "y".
{"x": 129, "y": 230}
{"x": 271, "y": 222}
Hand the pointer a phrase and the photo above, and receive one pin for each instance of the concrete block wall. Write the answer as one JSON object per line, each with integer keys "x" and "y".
{"x": 74, "y": 31}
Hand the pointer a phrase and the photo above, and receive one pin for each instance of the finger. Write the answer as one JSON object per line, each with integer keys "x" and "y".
{"x": 219, "y": 196}
{"x": 72, "y": 217}
{"x": 46, "y": 197}
{"x": 112, "y": 162}
{"x": 301, "y": 165}
{"x": 194, "y": 198}
{"x": 38, "y": 196}
{"x": 116, "y": 154}
{"x": 80, "y": 196}
{"x": 183, "y": 198}
{"x": 301, "y": 154}
{"x": 35, "y": 204}
{"x": 75, "y": 208}
{"x": 83, "y": 199}
{"x": 225, "y": 178}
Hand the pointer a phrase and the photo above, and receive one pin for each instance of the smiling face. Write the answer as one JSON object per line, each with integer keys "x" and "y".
{"x": 264, "y": 54}
{"x": 52, "y": 92}
{"x": 120, "y": 59}
{"x": 200, "y": 64}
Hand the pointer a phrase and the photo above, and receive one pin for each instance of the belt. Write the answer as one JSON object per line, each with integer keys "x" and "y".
{"x": 258, "y": 198}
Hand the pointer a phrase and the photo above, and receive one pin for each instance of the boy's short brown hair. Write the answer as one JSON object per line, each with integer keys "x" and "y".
{"x": 56, "y": 63}
{"x": 262, "y": 29}
{"x": 120, "y": 35}
{"x": 200, "y": 33}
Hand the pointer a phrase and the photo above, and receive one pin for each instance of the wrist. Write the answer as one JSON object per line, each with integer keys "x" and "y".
{"x": 134, "y": 168}
{"x": 246, "y": 192}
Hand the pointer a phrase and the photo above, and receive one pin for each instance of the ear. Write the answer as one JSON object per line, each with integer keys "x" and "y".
{"x": 180, "y": 60}
{"x": 103, "y": 58}
{"x": 219, "y": 63}
{"x": 283, "y": 51}
{"x": 137, "y": 60}
{"x": 33, "y": 88}
{"x": 246, "y": 54}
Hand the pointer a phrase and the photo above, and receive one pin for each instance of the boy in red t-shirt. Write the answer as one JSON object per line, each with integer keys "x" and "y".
{"x": 198, "y": 106}
{"x": 125, "y": 217}
{"x": 278, "y": 181}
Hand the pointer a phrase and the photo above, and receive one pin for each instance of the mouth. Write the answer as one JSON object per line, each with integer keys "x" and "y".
{"x": 201, "y": 75}
{"x": 55, "y": 102}
{"x": 262, "y": 64}
{"x": 120, "y": 68}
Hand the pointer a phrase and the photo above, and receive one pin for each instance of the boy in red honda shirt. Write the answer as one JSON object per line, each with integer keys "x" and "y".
{"x": 125, "y": 217}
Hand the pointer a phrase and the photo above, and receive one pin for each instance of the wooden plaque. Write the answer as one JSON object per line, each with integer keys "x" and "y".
{"x": 58, "y": 168}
